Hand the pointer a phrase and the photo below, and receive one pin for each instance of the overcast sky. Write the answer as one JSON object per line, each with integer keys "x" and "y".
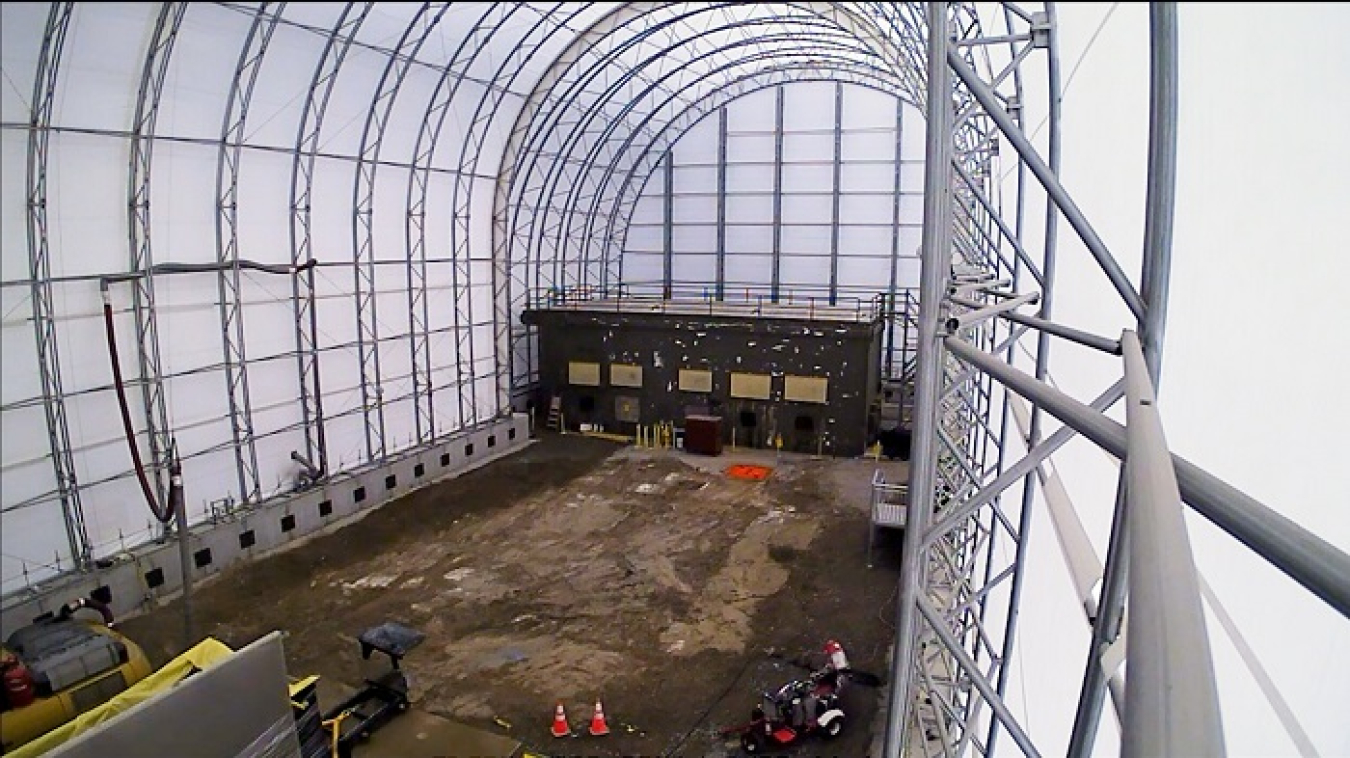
{"x": 1254, "y": 385}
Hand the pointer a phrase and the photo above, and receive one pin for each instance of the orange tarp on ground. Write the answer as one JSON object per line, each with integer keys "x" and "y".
{"x": 747, "y": 471}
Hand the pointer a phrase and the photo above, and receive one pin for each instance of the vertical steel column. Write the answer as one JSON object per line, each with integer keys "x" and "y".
{"x": 1155, "y": 276}
{"x": 138, "y": 227}
{"x": 776, "y": 276}
{"x": 668, "y": 228}
{"x": 722, "y": 117}
{"x": 936, "y": 265}
{"x": 895, "y": 246}
{"x": 838, "y": 165}
{"x": 39, "y": 268}
{"x": 1171, "y": 702}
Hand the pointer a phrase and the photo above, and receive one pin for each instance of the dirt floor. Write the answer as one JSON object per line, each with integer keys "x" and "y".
{"x": 580, "y": 569}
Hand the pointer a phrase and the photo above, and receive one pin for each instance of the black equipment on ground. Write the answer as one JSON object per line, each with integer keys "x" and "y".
{"x": 379, "y": 699}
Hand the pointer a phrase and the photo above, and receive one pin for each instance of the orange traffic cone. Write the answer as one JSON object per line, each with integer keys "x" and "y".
{"x": 560, "y": 727}
{"x": 598, "y": 726}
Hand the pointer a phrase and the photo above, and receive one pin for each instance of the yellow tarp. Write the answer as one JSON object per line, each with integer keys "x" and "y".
{"x": 204, "y": 655}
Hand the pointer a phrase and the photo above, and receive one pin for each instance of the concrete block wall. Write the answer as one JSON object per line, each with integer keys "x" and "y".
{"x": 144, "y": 577}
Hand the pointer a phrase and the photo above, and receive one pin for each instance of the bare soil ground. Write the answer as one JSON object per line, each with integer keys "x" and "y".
{"x": 580, "y": 569}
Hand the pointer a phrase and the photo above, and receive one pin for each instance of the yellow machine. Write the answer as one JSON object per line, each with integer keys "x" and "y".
{"x": 61, "y": 666}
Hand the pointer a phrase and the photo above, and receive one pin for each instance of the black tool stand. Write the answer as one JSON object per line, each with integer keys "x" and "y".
{"x": 382, "y": 698}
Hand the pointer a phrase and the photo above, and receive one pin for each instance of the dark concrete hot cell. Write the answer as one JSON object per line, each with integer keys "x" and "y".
{"x": 805, "y": 378}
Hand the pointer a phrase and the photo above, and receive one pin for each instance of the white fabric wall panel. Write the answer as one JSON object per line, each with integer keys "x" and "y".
{"x": 648, "y": 210}
{"x": 808, "y": 106}
{"x": 195, "y": 401}
{"x": 812, "y": 146}
{"x": 13, "y": 201}
{"x": 33, "y": 537}
{"x": 642, "y": 267}
{"x": 480, "y": 276}
{"x": 694, "y": 239}
{"x": 699, "y": 209}
{"x": 752, "y": 178}
{"x": 18, "y": 380}
{"x": 878, "y": 145}
{"x": 406, "y": 114}
{"x": 750, "y": 147}
{"x": 21, "y": 40}
{"x": 183, "y": 202}
{"x": 869, "y": 177}
{"x": 452, "y": 138}
{"x": 749, "y": 239}
{"x": 806, "y": 240}
{"x": 116, "y": 511}
{"x": 694, "y": 270}
{"x": 188, "y": 321}
{"x": 331, "y": 213}
{"x": 858, "y": 272}
{"x": 83, "y": 352}
{"x": 756, "y": 207}
{"x": 695, "y": 178}
{"x": 400, "y": 427}
{"x": 911, "y": 179}
{"x": 803, "y": 270}
{"x": 276, "y": 470}
{"x": 198, "y": 85}
{"x": 813, "y": 208}
{"x": 867, "y": 241}
{"x": 263, "y": 217}
{"x": 702, "y": 149}
{"x": 807, "y": 178}
{"x": 389, "y": 231}
{"x": 334, "y": 305}
{"x": 748, "y": 269}
{"x": 274, "y": 111}
{"x": 93, "y": 237}
{"x": 28, "y": 467}
{"x": 867, "y": 109}
{"x": 268, "y": 318}
{"x": 480, "y": 213}
{"x": 100, "y": 65}
{"x": 754, "y": 112}
{"x": 867, "y": 209}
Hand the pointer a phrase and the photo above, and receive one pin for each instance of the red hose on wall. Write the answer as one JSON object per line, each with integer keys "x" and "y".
{"x": 164, "y": 515}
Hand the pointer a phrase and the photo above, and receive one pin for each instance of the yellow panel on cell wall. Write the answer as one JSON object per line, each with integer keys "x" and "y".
{"x": 806, "y": 389}
{"x": 695, "y": 380}
{"x": 585, "y": 374}
{"x": 750, "y": 386}
{"x": 624, "y": 375}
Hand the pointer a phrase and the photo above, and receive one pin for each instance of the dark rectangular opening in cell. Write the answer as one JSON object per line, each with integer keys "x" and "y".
{"x": 202, "y": 557}
{"x": 287, "y": 523}
{"x": 247, "y": 540}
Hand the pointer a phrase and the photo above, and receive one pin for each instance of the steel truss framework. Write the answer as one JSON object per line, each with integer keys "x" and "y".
{"x": 564, "y": 112}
